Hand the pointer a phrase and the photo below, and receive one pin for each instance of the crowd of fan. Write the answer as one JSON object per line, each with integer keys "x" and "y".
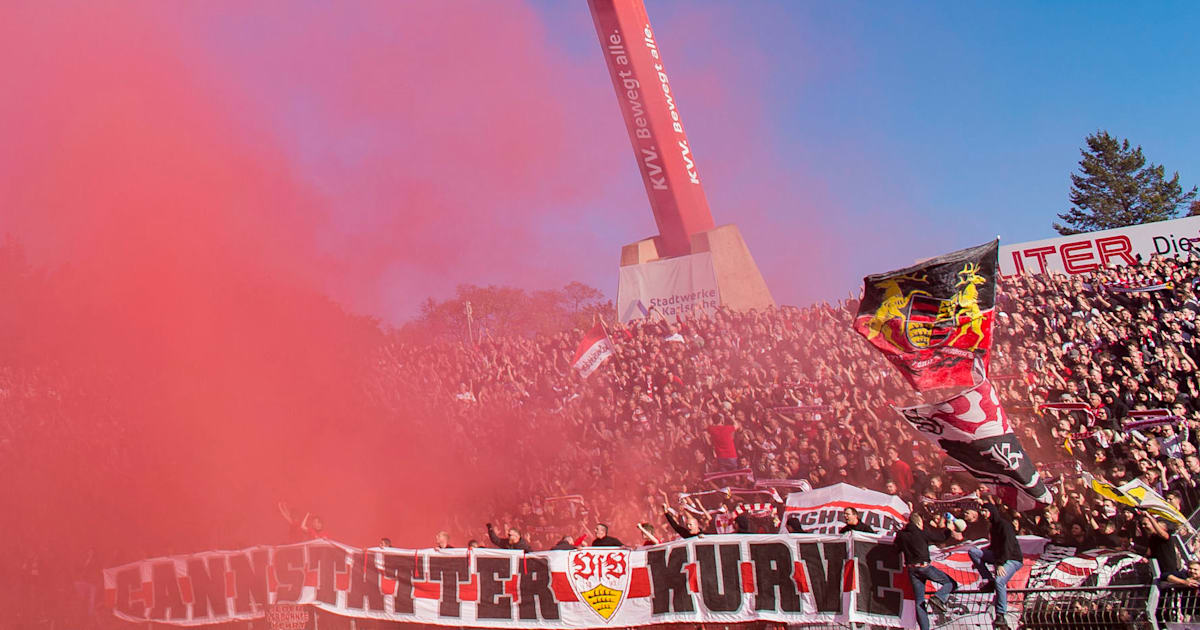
{"x": 686, "y": 396}
{"x": 794, "y": 394}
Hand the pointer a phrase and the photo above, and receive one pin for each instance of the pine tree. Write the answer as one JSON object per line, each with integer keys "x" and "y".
{"x": 1116, "y": 187}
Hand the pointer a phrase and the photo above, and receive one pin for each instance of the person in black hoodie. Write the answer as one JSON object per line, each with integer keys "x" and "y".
{"x": 1003, "y": 551}
{"x": 514, "y": 540}
{"x": 794, "y": 525}
{"x": 603, "y": 539}
{"x": 913, "y": 541}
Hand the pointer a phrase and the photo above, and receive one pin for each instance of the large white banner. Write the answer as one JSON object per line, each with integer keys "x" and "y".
{"x": 791, "y": 579}
{"x": 1081, "y": 253}
{"x": 820, "y": 511}
{"x": 682, "y": 286}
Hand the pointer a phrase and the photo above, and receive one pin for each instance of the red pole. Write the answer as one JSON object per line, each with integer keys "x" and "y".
{"x": 651, "y": 114}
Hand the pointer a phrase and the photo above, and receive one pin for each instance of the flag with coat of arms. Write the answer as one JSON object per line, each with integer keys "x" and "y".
{"x": 933, "y": 320}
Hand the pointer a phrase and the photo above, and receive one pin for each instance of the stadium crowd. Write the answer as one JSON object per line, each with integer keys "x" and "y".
{"x": 788, "y": 394}
{"x": 683, "y": 397}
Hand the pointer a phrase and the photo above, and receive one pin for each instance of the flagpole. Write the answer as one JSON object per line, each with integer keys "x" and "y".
{"x": 606, "y": 335}
{"x": 470, "y": 332}
{"x": 616, "y": 355}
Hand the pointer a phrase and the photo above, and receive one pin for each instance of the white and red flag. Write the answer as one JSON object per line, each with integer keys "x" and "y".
{"x": 974, "y": 431}
{"x": 593, "y": 350}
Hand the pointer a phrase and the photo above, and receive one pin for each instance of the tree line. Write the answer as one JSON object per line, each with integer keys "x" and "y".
{"x": 1116, "y": 187}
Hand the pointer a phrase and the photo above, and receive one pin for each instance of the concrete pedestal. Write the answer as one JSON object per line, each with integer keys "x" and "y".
{"x": 739, "y": 282}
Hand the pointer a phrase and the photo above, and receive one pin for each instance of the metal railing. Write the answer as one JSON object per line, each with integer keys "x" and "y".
{"x": 1178, "y": 608}
{"x": 1061, "y": 608}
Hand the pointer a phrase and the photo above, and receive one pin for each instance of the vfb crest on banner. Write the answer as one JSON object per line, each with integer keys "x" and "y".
{"x": 600, "y": 578}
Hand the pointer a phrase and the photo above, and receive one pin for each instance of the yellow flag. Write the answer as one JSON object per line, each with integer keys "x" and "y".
{"x": 1139, "y": 495}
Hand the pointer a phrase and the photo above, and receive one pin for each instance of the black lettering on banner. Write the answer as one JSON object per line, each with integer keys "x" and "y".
{"x": 537, "y": 594}
{"x": 250, "y": 577}
{"x": 493, "y": 602}
{"x": 878, "y": 520}
{"x": 289, "y": 572}
{"x": 877, "y": 566}
{"x": 772, "y": 574}
{"x": 207, "y": 576}
{"x": 725, "y": 594}
{"x": 166, "y": 592}
{"x": 327, "y": 559}
{"x": 129, "y": 580}
{"x": 400, "y": 568}
{"x": 449, "y": 571}
{"x": 1162, "y": 248}
{"x": 669, "y": 582}
{"x": 364, "y": 584}
{"x": 824, "y": 563}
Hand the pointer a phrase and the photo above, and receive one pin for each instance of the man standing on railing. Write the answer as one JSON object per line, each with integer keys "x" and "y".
{"x": 913, "y": 541}
{"x": 1003, "y": 551}
{"x": 1160, "y": 543}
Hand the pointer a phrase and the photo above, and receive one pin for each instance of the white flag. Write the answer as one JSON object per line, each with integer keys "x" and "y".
{"x": 593, "y": 350}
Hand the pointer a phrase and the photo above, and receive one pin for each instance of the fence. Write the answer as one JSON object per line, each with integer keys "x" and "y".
{"x": 1062, "y": 608}
{"x": 1179, "y": 608}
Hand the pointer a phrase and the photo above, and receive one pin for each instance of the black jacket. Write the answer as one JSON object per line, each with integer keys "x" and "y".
{"x": 1003, "y": 536}
{"x": 860, "y": 527}
{"x": 607, "y": 541}
{"x": 678, "y": 527}
{"x": 793, "y": 525}
{"x": 504, "y": 544}
{"x": 913, "y": 542}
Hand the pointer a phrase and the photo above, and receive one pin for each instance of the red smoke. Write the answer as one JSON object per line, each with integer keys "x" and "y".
{"x": 188, "y": 185}
{"x": 192, "y": 181}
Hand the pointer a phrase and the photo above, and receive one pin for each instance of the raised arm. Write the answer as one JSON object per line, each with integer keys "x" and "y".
{"x": 492, "y": 536}
{"x": 1154, "y": 527}
{"x": 648, "y": 534}
{"x": 675, "y": 525}
{"x": 286, "y": 512}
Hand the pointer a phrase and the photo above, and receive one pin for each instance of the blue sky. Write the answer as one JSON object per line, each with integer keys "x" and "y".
{"x": 973, "y": 108}
{"x": 425, "y": 145}
{"x": 943, "y": 122}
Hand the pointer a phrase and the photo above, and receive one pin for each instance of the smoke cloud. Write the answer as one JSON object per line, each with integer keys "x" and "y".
{"x": 209, "y": 205}
{"x": 191, "y": 196}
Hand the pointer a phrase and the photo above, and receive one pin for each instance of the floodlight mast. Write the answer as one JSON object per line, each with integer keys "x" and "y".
{"x": 688, "y": 241}
{"x": 651, "y": 114}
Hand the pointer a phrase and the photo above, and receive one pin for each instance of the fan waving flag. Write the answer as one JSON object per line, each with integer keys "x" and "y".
{"x": 593, "y": 350}
{"x": 973, "y": 430}
{"x": 934, "y": 320}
